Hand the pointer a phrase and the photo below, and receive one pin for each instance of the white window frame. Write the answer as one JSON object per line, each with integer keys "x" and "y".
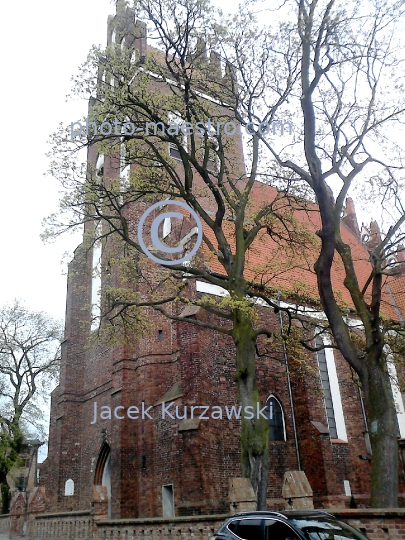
{"x": 69, "y": 488}
{"x": 167, "y": 227}
{"x": 396, "y": 393}
{"x": 175, "y": 117}
{"x": 96, "y": 281}
{"x": 99, "y": 165}
{"x": 124, "y": 167}
{"x": 334, "y": 389}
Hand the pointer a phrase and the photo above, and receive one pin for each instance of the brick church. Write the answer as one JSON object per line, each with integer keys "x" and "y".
{"x": 108, "y": 428}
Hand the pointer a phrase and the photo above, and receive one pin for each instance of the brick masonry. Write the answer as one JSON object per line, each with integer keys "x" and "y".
{"x": 381, "y": 524}
{"x": 145, "y": 455}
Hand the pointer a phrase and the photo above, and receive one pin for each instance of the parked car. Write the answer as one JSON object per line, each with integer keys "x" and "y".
{"x": 288, "y": 525}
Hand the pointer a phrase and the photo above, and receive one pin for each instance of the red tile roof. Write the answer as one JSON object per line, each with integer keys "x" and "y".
{"x": 290, "y": 268}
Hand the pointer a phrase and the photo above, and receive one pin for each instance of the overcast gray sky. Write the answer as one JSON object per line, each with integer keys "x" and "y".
{"x": 42, "y": 43}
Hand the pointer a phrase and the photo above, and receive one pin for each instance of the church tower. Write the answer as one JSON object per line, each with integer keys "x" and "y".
{"x": 112, "y": 446}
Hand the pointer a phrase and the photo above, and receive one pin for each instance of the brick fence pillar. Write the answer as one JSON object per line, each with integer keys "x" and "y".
{"x": 18, "y": 514}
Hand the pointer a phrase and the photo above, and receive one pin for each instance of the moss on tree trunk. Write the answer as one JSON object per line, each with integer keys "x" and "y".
{"x": 255, "y": 432}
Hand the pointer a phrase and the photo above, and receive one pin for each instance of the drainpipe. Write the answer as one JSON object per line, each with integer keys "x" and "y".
{"x": 289, "y": 390}
{"x": 365, "y": 432}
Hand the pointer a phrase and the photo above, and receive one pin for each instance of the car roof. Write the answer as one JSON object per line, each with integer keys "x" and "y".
{"x": 307, "y": 513}
{"x": 285, "y": 514}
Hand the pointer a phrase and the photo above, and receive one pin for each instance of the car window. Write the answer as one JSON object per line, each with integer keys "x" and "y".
{"x": 327, "y": 529}
{"x": 248, "y": 529}
{"x": 233, "y": 525}
{"x": 277, "y": 530}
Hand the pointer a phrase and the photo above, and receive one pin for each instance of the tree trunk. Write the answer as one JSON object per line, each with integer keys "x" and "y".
{"x": 11, "y": 444}
{"x": 372, "y": 369}
{"x": 255, "y": 432}
{"x": 383, "y": 438}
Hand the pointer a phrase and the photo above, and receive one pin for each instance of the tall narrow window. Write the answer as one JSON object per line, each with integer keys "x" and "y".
{"x": 167, "y": 227}
{"x": 96, "y": 262}
{"x": 175, "y": 122}
{"x": 396, "y": 393}
{"x": 168, "y": 501}
{"x": 323, "y": 369}
{"x": 100, "y": 167}
{"x": 330, "y": 384}
{"x": 275, "y": 418}
{"x": 124, "y": 167}
{"x": 96, "y": 281}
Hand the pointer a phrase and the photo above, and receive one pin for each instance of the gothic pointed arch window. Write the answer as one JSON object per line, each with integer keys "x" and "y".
{"x": 103, "y": 457}
{"x": 102, "y": 475}
{"x": 275, "y": 418}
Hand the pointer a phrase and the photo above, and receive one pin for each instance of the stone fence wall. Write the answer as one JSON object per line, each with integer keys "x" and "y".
{"x": 4, "y": 524}
{"x": 64, "y": 525}
{"x": 80, "y": 525}
{"x": 185, "y": 528}
{"x": 376, "y": 524}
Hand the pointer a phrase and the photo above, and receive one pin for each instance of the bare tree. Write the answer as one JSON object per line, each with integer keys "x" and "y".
{"x": 29, "y": 364}
{"x": 348, "y": 126}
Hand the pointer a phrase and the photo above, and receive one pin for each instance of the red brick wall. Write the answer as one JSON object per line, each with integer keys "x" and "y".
{"x": 148, "y": 454}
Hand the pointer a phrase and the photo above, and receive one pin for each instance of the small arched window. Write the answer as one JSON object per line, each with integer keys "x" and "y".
{"x": 275, "y": 418}
{"x": 69, "y": 488}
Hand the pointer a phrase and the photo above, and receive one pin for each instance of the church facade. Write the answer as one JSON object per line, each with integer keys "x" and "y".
{"x": 155, "y": 421}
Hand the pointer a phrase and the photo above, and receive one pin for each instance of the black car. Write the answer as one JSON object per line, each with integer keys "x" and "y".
{"x": 288, "y": 525}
